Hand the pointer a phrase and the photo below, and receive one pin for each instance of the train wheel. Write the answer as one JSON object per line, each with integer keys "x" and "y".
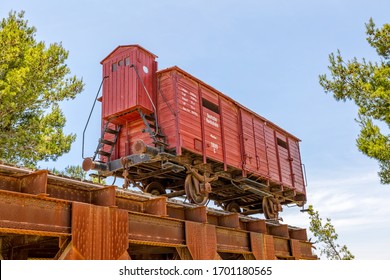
{"x": 192, "y": 188}
{"x": 233, "y": 207}
{"x": 155, "y": 188}
{"x": 271, "y": 208}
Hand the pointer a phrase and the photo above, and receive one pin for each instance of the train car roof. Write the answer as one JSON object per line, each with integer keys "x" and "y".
{"x": 128, "y": 46}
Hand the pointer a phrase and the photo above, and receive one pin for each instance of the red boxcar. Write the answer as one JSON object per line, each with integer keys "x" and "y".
{"x": 171, "y": 134}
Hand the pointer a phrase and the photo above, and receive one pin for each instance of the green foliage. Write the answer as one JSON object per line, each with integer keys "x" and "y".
{"x": 368, "y": 85}
{"x": 77, "y": 172}
{"x": 326, "y": 238}
{"x": 33, "y": 80}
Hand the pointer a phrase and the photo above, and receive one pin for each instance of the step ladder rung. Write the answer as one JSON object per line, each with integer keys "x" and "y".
{"x": 150, "y": 117}
{"x": 111, "y": 131}
{"x": 111, "y": 143}
{"x": 160, "y": 135}
{"x": 104, "y": 153}
{"x": 161, "y": 143}
{"x": 107, "y": 142}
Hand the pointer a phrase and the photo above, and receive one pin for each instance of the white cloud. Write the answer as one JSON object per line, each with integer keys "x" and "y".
{"x": 358, "y": 208}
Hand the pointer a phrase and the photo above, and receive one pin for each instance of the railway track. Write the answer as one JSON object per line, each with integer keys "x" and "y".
{"x": 54, "y": 217}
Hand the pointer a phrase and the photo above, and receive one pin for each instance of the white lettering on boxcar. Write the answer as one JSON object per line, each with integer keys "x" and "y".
{"x": 210, "y": 119}
{"x": 192, "y": 112}
{"x": 188, "y": 102}
{"x": 213, "y": 136}
{"x": 214, "y": 147}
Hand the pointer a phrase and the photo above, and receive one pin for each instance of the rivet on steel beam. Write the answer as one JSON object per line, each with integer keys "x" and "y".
{"x": 231, "y": 220}
{"x": 256, "y": 226}
{"x": 34, "y": 183}
{"x": 156, "y": 206}
{"x": 196, "y": 214}
{"x": 278, "y": 230}
{"x": 299, "y": 234}
{"x": 104, "y": 196}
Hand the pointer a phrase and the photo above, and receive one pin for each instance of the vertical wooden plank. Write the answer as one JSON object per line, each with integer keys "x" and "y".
{"x": 203, "y": 133}
{"x": 168, "y": 114}
{"x": 260, "y": 144}
{"x": 212, "y": 124}
{"x": 249, "y": 148}
{"x": 242, "y": 149}
{"x": 190, "y": 120}
{"x": 271, "y": 153}
{"x": 231, "y": 133}
{"x": 280, "y": 177}
{"x": 178, "y": 117}
{"x": 223, "y": 138}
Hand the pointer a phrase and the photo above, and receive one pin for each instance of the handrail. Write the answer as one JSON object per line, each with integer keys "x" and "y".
{"x": 90, "y": 114}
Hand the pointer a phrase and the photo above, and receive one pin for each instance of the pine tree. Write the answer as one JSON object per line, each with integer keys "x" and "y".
{"x": 368, "y": 85}
{"x": 33, "y": 80}
{"x": 326, "y": 238}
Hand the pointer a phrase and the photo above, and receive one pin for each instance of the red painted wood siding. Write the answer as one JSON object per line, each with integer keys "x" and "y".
{"x": 299, "y": 182}
{"x": 284, "y": 159}
{"x": 195, "y": 118}
{"x": 231, "y": 133}
{"x": 199, "y": 119}
{"x": 212, "y": 124}
{"x": 123, "y": 90}
{"x": 272, "y": 156}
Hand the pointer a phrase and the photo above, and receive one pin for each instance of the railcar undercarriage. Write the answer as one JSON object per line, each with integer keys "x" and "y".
{"x": 162, "y": 173}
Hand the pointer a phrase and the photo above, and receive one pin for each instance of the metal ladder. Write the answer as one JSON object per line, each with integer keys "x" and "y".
{"x": 154, "y": 130}
{"x": 103, "y": 142}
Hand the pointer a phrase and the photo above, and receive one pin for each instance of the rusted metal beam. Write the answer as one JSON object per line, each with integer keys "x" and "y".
{"x": 257, "y": 245}
{"x": 258, "y": 226}
{"x": 196, "y": 214}
{"x": 269, "y": 247}
{"x": 98, "y": 233}
{"x": 96, "y": 222}
{"x": 34, "y": 183}
{"x": 233, "y": 241}
{"x": 298, "y": 233}
{"x": 184, "y": 253}
{"x": 296, "y": 249}
{"x": 104, "y": 196}
{"x": 282, "y": 248}
{"x": 230, "y": 220}
{"x": 207, "y": 248}
{"x": 155, "y": 230}
{"x": 278, "y": 230}
{"x": 23, "y": 213}
{"x": 156, "y": 206}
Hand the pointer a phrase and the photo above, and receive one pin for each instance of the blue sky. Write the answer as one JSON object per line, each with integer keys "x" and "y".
{"x": 265, "y": 54}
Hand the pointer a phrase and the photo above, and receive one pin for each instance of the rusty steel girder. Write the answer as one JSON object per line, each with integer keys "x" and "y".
{"x": 89, "y": 221}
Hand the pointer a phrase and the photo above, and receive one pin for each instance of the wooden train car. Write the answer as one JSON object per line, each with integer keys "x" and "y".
{"x": 168, "y": 133}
